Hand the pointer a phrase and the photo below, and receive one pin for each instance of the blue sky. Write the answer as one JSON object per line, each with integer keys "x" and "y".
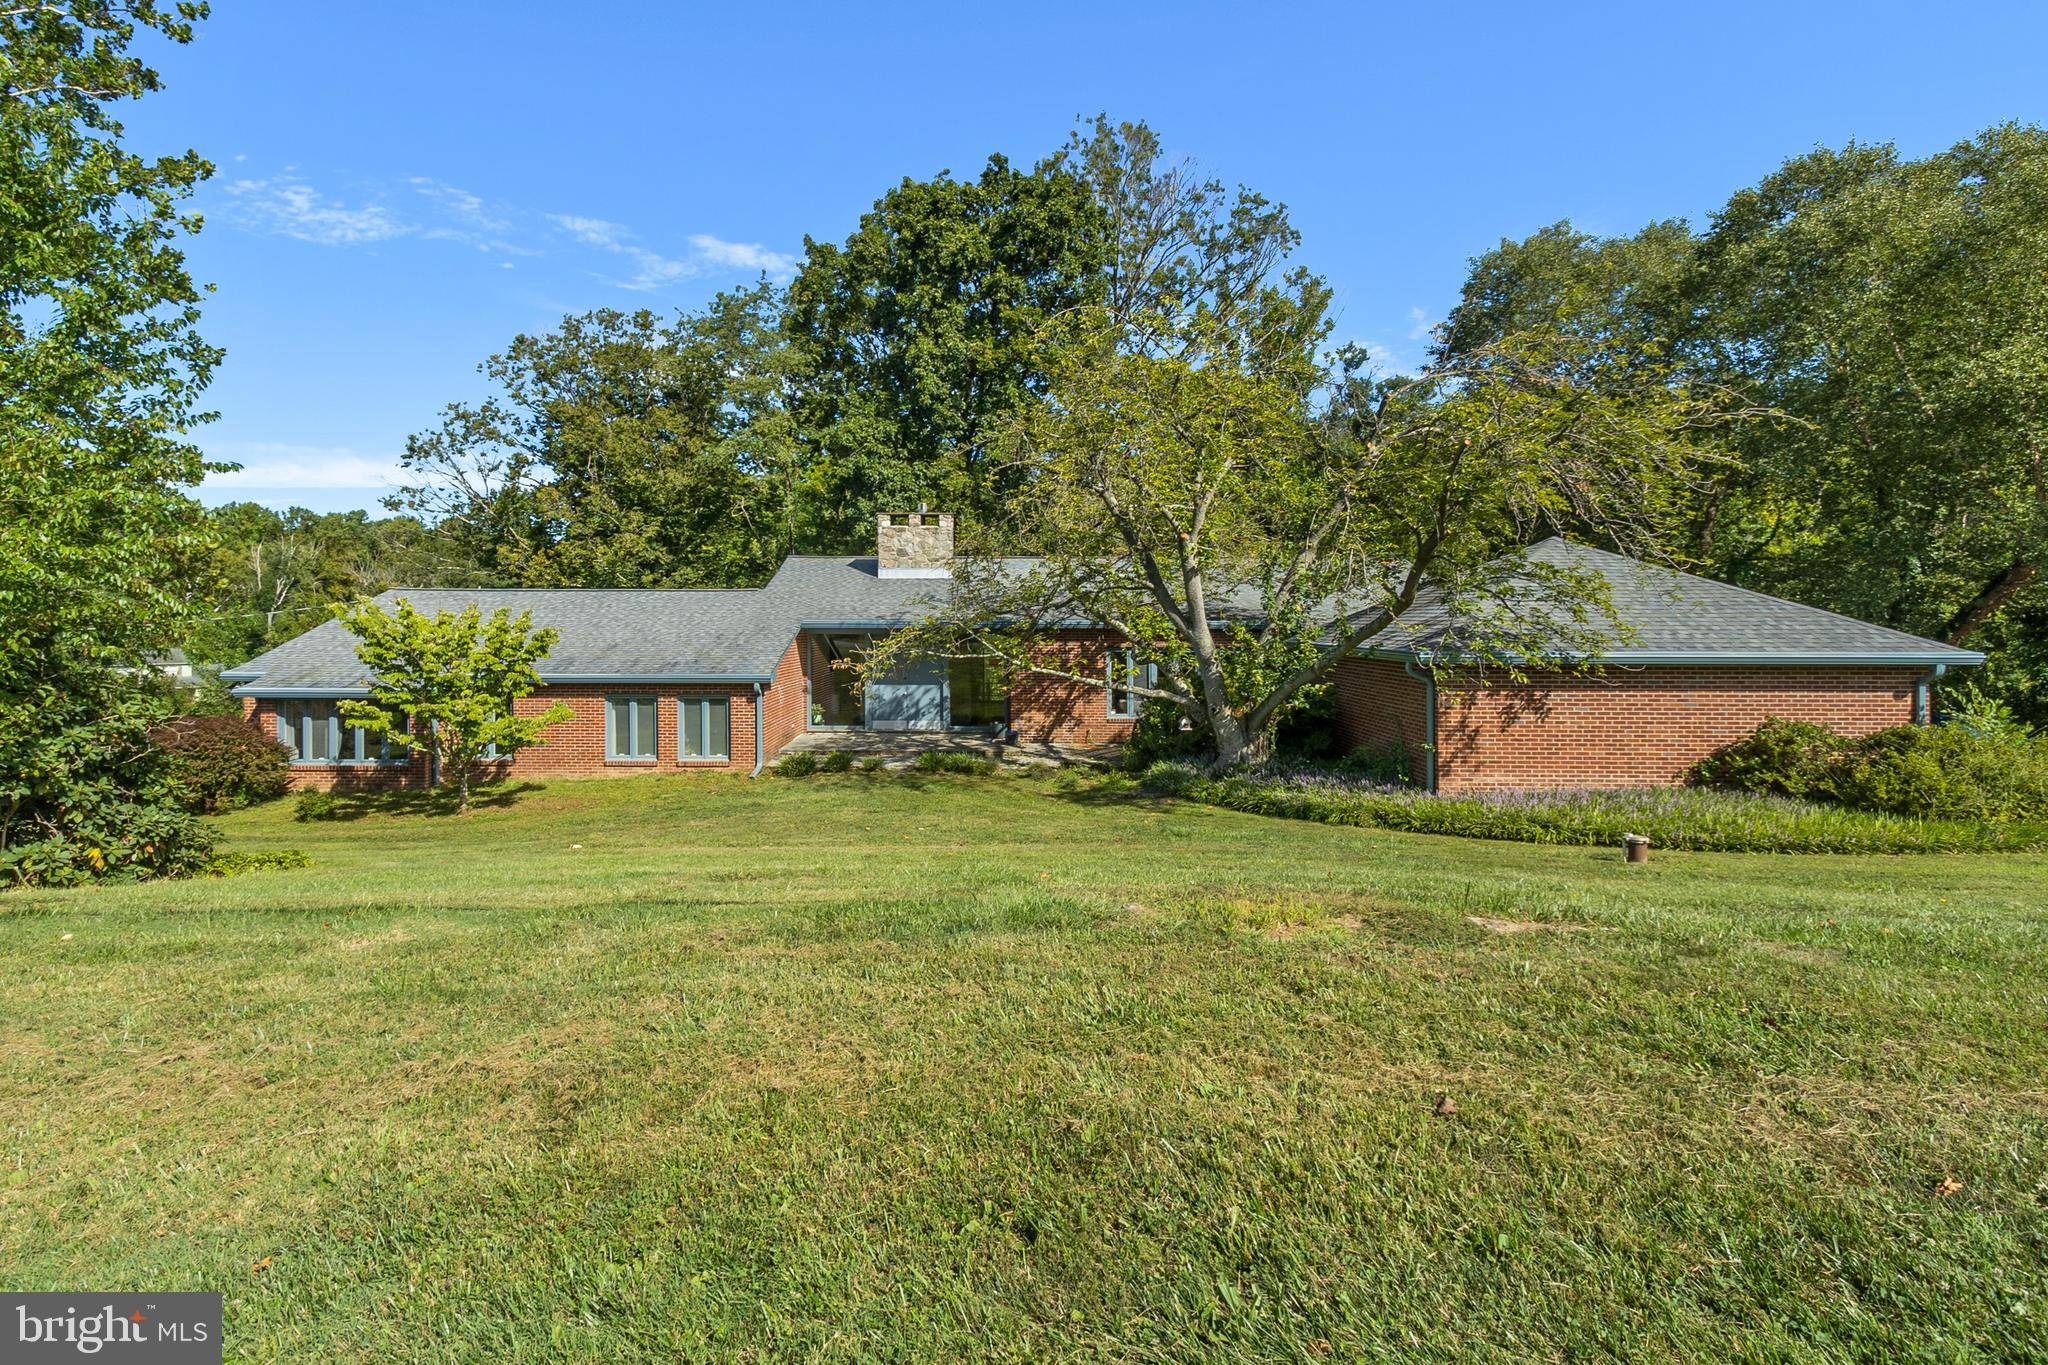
{"x": 403, "y": 187}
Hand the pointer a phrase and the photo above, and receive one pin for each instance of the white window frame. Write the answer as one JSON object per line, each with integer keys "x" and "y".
{"x": 693, "y": 711}
{"x": 632, "y": 699}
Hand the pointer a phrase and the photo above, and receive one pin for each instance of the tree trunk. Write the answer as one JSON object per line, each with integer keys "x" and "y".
{"x": 462, "y": 789}
{"x": 1236, "y": 750}
{"x": 1986, "y": 603}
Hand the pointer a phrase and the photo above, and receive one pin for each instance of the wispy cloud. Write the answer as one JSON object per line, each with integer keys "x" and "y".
{"x": 707, "y": 254}
{"x": 592, "y": 231}
{"x": 743, "y": 255}
{"x": 424, "y": 208}
{"x": 289, "y": 207}
{"x": 1421, "y": 325}
{"x": 282, "y": 465}
{"x": 460, "y": 204}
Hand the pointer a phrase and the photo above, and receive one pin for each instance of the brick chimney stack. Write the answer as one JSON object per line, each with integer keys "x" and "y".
{"x": 914, "y": 544}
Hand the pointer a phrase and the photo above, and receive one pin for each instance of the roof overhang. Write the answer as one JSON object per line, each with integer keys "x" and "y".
{"x": 257, "y": 689}
{"x": 553, "y": 679}
{"x": 1955, "y": 658}
{"x": 284, "y": 693}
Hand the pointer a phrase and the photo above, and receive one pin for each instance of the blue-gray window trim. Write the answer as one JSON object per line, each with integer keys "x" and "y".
{"x": 694, "y": 713}
{"x": 632, "y": 700}
{"x": 1136, "y": 674}
{"x": 295, "y": 720}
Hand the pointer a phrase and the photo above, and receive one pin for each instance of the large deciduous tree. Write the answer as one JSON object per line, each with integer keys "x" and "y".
{"x": 1242, "y": 519}
{"x": 919, "y": 337}
{"x": 621, "y": 450}
{"x": 101, "y": 368}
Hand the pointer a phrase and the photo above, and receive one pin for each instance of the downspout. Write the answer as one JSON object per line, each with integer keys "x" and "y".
{"x": 759, "y": 757}
{"x": 1428, "y": 681}
{"x": 1923, "y": 695}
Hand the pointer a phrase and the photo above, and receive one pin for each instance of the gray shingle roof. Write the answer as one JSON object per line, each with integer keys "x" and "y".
{"x": 678, "y": 635}
{"x": 1681, "y": 617}
{"x": 844, "y": 590}
{"x": 605, "y": 634}
{"x": 652, "y": 634}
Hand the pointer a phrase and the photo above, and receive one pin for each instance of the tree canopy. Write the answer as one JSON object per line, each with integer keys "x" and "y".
{"x": 101, "y": 370}
{"x": 621, "y": 450}
{"x": 1894, "y": 313}
{"x": 918, "y": 338}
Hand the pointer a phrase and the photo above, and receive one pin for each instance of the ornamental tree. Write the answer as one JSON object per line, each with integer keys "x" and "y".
{"x": 446, "y": 684}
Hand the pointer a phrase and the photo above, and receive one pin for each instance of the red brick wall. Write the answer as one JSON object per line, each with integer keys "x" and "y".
{"x": 1643, "y": 726}
{"x": 1055, "y": 710}
{"x": 1379, "y": 706}
{"x": 785, "y": 705}
{"x": 572, "y": 748}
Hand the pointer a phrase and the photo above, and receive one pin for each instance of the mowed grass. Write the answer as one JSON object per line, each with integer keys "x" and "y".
{"x": 952, "y": 1068}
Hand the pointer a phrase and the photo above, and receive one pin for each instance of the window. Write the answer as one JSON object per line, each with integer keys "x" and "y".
{"x": 978, "y": 701}
{"x": 315, "y": 733}
{"x": 629, "y": 729}
{"x": 1126, "y": 672}
{"x": 705, "y": 727}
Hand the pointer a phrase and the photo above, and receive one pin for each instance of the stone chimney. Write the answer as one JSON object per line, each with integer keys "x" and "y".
{"x": 914, "y": 544}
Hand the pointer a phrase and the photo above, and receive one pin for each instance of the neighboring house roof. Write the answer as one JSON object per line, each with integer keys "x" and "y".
{"x": 669, "y": 635}
{"x": 1682, "y": 618}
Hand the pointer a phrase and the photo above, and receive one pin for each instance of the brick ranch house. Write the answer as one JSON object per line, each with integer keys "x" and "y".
{"x": 1705, "y": 663}
{"x": 687, "y": 679}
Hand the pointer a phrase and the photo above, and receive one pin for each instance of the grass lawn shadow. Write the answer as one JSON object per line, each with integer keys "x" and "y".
{"x": 423, "y": 801}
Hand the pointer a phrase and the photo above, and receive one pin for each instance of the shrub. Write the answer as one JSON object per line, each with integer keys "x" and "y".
{"x": 1988, "y": 771}
{"x": 838, "y": 761}
{"x": 1158, "y": 736}
{"x": 1979, "y": 711}
{"x": 84, "y": 795}
{"x": 966, "y": 765}
{"x": 315, "y": 805}
{"x": 1793, "y": 758}
{"x": 1382, "y": 764}
{"x": 235, "y": 864}
{"x": 870, "y": 764}
{"x": 223, "y": 761}
{"x": 1947, "y": 772}
{"x": 1170, "y": 779}
{"x": 1674, "y": 818}
{"x": 798, "y": 764}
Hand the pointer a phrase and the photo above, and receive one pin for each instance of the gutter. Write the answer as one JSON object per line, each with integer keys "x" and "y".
{"x": 1961, "y": 658}
{"x": 1923, "y": 695}
{"x": 255, "y": 688}
{"x": 759, "y": 757}
{"x": 1428, "y": 681}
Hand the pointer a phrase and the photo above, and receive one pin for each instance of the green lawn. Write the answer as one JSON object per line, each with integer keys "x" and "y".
{"x": 889, "y": 1068}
